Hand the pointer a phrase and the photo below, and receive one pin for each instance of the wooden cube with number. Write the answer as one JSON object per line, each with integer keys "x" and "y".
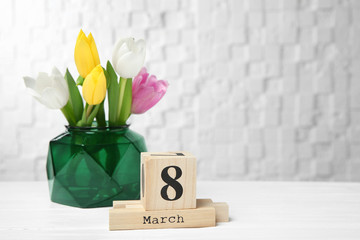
{"x": 168, "y": 180}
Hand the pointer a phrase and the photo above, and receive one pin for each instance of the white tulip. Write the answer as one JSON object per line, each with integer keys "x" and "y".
{"x": 128, "y": 57}
{"x": 52, "y": 91}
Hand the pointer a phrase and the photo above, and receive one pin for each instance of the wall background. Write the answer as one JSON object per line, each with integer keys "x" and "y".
{"x": 264, "y": 90}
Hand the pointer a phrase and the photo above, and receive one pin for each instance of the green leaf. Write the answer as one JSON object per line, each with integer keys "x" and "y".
{"x": 113, "y": 91}
{"x": 75, "y": 99}
{"x": 107, "y": 77}
{"x": 68, "y": 113}
{"x": 80, "y": 81}
{"x": 110, "y": 70}
{"x": 125, "y": 100}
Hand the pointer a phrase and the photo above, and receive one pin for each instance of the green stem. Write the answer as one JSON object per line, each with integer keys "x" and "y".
{"x": 126, "y": 101}
{"x": 121, "y": 96}
{"x": 83, "y": 118}
{"x": 89, "y": 110}
{"x": 67, "y": 111}
{"x": 92, "y": 114}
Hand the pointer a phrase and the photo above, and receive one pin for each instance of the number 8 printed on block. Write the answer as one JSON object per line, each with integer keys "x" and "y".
{"x": 168, "y": 180}
{"x": 171, "y": 182}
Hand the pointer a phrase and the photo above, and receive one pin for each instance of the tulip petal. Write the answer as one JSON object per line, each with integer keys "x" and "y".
{"x": 62, "y": 97}
{"x": 125, "y": 47}
{"x": 50, "y": 90}
{"x": 136, "y": 83}
{"x": 139, "y": 79}
{"x": 94, "y": 50}
{"x": 43, "y": 80}
{"x": 83, "y": 57}
{"x": 29, "y": 82}
{"x": 129, "y": 65}
{"x": 52, "y": 98}
{"x": 140, "y": 47}
{"x": 151, "y": 81}
{"x": 147, "y": 91}
{"x": 94, "y": 87}
{"x": 100, "y": 90}
{"x": 149, "y": 100}
{"x": 139, "y": 101}
{"x": 88, "y": 89}
{"x": 161, "y": 86}
{"x": 81, "y": 33}
{"x": 128, "y": 57}
{"x": 55, "y": 71}
{"x": 146, "y": 101}
{"x": 58, "y": 78}
{"x": 116, "y": 52}
{"x": 61, "y": 85}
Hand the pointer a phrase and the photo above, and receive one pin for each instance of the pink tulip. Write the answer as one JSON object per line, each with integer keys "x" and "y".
{"x": 146, "y": 91}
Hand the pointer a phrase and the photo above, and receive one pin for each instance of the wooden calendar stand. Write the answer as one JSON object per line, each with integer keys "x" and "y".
{"x": 168, "y": 197}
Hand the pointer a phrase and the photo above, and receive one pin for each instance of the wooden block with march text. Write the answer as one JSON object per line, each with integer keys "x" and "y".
{"x": 168, "y": 180}
{"x": 131, "y": 217}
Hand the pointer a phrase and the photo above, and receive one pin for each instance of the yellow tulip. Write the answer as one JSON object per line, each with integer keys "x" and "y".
{"x": 94, "y": 86}
{"x": 86, "y": 54}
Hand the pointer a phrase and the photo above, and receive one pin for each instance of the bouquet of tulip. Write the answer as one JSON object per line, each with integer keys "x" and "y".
{"x": 133, "y": 91}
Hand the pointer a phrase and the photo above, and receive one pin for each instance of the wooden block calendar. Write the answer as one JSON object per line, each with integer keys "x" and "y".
{"x": 168, "y": 180}
{"x": 167, "y": 197}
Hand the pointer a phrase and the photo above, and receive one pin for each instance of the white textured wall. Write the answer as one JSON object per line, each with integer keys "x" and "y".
{"x": 258, "y": 89}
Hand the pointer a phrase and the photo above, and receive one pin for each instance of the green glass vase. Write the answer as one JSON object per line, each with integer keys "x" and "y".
{"x": 93, "y": 166}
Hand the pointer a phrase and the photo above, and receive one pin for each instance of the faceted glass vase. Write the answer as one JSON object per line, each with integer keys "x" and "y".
{"x": 93, "y": 166}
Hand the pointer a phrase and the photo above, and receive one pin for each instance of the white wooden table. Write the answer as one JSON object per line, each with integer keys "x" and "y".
{"x": 258, "y": 210}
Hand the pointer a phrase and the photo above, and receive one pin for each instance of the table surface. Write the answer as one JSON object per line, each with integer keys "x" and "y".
{"x": 258, "y": 210}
